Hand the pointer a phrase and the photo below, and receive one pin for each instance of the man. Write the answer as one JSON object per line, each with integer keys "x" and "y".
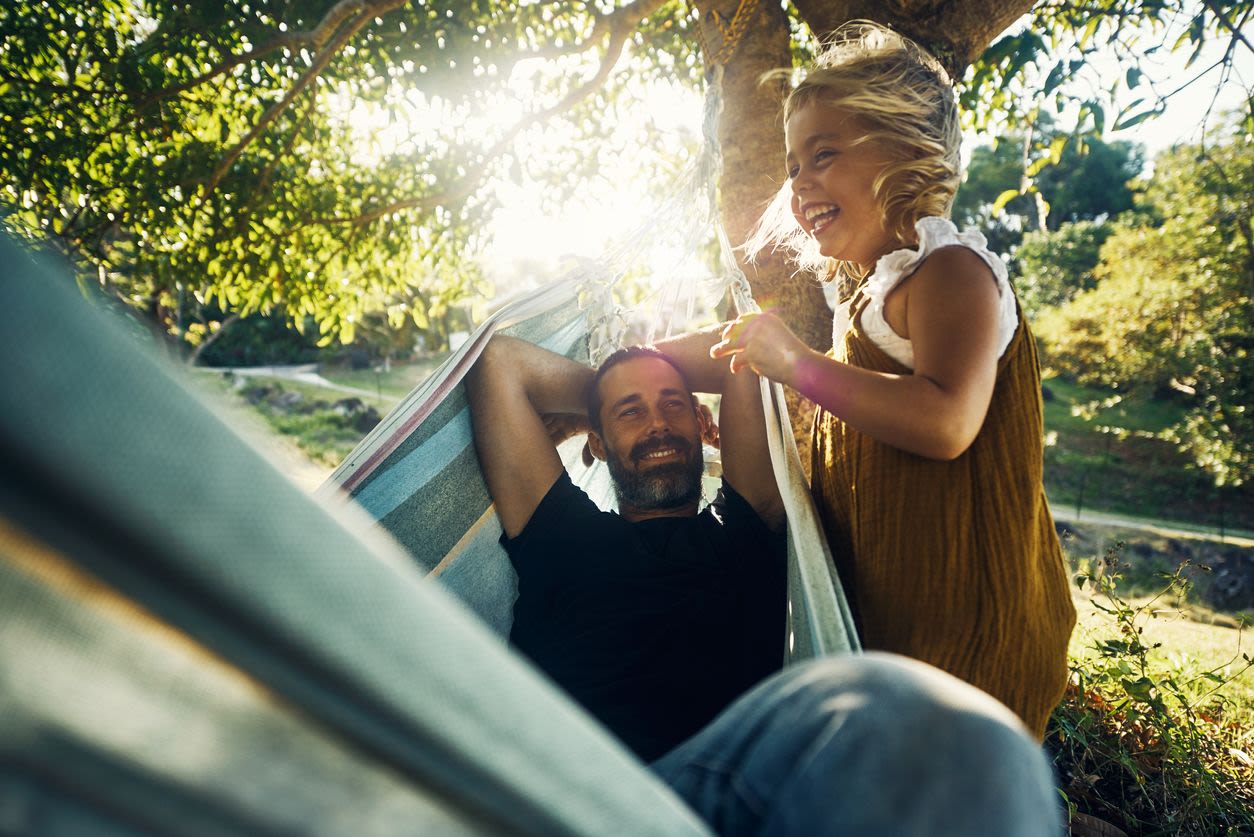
{"x": 656, "y": 618}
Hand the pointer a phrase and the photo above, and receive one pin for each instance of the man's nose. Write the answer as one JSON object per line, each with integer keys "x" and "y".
{"x": 658, "y": 422}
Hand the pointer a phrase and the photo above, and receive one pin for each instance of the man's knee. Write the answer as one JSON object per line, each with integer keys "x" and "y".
{"x": 921, "y": 741}
{"x": 905, "y": 701}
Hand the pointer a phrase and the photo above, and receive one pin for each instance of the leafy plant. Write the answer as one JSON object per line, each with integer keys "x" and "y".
{"x": 1149, "y": 750}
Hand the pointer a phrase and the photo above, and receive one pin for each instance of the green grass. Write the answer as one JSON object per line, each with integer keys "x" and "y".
{"x": 1078, "y": 408}
{"x": 1156, "y": 732}
{"x": 393, "y": 384}
{"x": 325, "y": 437}
{"x": 1112, "y": 458}
{"x": 322, "y": 435}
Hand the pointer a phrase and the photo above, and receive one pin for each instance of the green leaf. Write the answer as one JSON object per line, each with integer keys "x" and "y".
{"x": 1141, "y": 689}
{"x": 1125, "y": 122}
{"x": 1053, "y": 79}
{"x": 1056, "y": 148}
{"x": 1089, "y": 30}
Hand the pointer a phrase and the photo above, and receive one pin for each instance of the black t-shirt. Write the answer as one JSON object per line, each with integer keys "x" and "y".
{"x": 654, "y": 627}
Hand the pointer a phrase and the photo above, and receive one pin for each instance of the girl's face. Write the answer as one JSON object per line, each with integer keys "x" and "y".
{"x": 832, "y": 195}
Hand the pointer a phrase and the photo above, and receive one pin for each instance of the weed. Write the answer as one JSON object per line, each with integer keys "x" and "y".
{"x": 1152, "y": 751}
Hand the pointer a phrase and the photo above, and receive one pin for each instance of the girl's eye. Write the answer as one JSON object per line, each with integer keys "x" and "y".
{"x": 793, "y": 171}
{"x": 823, "y": 154}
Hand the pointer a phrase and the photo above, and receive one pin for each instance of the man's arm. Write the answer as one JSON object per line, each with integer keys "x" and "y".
{"x": 742, "y": 424}
{"x": 510, "y": 387}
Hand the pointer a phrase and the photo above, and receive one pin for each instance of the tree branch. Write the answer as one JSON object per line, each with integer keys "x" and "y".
{"x": 619, "y": 24}
{"x": 1237, "y": 35}
{"x": 339, "y": 14}
{"x": 955, "y": 33}
{"x": 629, "y": 15}
{"x": 315, "y": 37}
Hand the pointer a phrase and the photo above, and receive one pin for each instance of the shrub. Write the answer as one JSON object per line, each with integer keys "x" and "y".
{"x": 1144, "y": 749}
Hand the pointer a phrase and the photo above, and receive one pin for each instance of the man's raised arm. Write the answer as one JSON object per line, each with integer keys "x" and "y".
{"x": 742, "y": 425}
{"x": 510, "y": 388}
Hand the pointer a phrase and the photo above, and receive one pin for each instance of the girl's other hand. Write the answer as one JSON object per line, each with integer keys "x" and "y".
{"x": 763, "y": 343}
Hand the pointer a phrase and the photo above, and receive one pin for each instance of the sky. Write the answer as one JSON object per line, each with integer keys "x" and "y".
{"x": 1187, "y": 110}
{"x": 524, "y": 233}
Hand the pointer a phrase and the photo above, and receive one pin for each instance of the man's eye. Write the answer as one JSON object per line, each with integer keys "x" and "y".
{"x": 630, "y": 411}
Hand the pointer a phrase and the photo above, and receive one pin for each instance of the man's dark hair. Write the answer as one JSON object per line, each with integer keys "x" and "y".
{"x": 622, "y": 356}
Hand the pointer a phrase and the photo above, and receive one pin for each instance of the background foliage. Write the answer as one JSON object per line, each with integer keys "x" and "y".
{"x": 1168, "y": 308}
{"x": 338, "y": 163}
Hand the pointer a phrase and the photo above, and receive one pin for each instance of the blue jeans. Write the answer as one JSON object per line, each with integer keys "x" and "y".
{"x": 869, "y": 744}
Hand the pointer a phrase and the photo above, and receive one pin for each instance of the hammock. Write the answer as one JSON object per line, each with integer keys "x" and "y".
{"x": 416, "y": 473}
{"x": 189, "y": 644}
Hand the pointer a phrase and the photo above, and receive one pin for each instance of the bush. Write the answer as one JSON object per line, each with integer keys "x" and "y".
{"x": 1141, "y": 748}
{"x": 260, "y": 341}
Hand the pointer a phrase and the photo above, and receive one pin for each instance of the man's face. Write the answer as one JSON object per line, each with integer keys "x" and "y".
{"x": 650, "y": 435}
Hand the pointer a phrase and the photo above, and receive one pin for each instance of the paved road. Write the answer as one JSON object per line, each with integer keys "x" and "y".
{"x": 1166, "y": 528}
{"x": 304, "y": 373}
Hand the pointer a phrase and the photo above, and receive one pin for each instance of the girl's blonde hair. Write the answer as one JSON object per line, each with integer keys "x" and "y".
{"x": 905, "y": 100}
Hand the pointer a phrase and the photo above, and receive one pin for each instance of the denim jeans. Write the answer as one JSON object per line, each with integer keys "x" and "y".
{"x": 870, "y": 744}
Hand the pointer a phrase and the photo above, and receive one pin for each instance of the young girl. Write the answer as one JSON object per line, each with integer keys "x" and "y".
{"x": 927, "y": 444}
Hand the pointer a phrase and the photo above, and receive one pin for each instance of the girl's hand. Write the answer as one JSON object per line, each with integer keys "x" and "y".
{"x": 763, "y": 343}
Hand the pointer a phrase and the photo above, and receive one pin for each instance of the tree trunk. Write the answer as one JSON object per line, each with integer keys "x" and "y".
{"x": 955, "y": 32}
{"x": 193, "y": 359}
{"x": 752, "y": 136}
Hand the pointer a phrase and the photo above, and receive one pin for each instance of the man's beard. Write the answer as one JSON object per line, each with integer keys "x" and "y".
{"x": 665, "y": 486}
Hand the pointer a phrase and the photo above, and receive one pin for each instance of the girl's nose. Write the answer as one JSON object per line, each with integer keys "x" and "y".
{"x": 800, "y": 185}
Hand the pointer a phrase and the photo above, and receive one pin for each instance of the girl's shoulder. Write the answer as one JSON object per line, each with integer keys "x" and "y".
{"x": 934, "y": 234}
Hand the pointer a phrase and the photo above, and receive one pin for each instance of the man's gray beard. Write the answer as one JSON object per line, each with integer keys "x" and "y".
{"x": 660, "y": 487}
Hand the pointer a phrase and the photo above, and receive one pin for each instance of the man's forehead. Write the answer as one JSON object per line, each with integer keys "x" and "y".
{"x": 640, "y": 376}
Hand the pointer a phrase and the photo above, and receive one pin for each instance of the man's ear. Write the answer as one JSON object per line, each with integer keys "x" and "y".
{"x": 596, "y": 445}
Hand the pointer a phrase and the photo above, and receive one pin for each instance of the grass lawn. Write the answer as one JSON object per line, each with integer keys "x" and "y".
{"x": 1111, "y": 458}
{"x": 1187, "y": 649}
{"x": 390, "y": 386}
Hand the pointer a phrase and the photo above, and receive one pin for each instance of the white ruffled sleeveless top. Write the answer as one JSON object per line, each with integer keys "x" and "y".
{"x": 934, "y": 233}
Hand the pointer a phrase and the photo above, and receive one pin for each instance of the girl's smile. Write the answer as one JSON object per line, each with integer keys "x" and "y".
{"x": 833, "y": 184}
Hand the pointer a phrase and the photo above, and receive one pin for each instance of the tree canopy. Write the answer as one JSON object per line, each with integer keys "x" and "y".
{"x": 1171, "y": 307}
{"x": 330, "y": 159}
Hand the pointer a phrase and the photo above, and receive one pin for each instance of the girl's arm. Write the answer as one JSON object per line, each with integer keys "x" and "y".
{"x": 951, "y": 311}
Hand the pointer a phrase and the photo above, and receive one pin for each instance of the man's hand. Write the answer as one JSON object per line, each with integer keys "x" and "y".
{"x": 562, "y": 426}
{"x": 709, "y": 427}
